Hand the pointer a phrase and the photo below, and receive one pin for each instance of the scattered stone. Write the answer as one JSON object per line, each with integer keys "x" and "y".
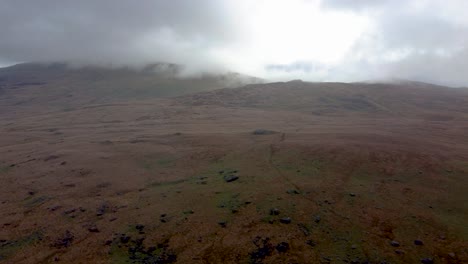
{"x": 395, "y": 243}
{"x": 317, "y": 219}
{"x": 31, "y": 193}
{"x": 65, "y": 240}
{"x": 70, "y": 211}
{"x": 221, "y": 171}
{"x": 93, "y": 229}
{"x": 418, "y": 242}
{"x": 305, "y": 230}
{"x": 452, "y": 255}
{"x": 231, "y": 178}
{"x": 51, "y": 157}
{"x": 285, "y": 220}
{"x": 124, "y": 239}
{"x": 188, "y": 212}
{"x": 353, "y": 246}
{"x": 104, "y": 208}
{"x": 108, "y": 242}
{"x": 264, "y": 249}
{"x": 399, "y": 252}
{"x": 63, "y": 163}
{"x": 282, "y": 247}
{"x": 352, "y": 194}
{"x": 274, "y": 211}
{"x": 293, "y": 191}
{"x": 311, "y": 243}
{"x": 112, "y": 219}
{"x": 427, "y": 261}
{"x": 263, "y": 132}
{"x": 139, "y": 227}
{"x": 222, "y": 223}
{"x": 54, "y": 208}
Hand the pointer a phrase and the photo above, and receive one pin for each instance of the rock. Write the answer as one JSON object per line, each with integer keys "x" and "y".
{"x": 274, "y": 211}
{"x": 452, "y": 255}
{"x": 93, "y": 229}
{"x": 263, "y": 132}
{"x": 293, "y": 191}
{"x": 395, "y": 243}
{"x": 399, "y": 252}
{"x": 352, "y": 194}
{"x": 285, "y": 220}
{"x": 264, "y": 249}
{"x": 65, "y": 240}
{"x": 418, "y": 242}
{"x": 104, "y": 208}
{"x": 222, "y": 223}
{"x": 427, "y": 261}
{"x": 353, "y": 246}
{"x": 139, "y": 227}
{"x": 282, "y": 247}
{"x": 317, "y": 219}
{"x": 31, "y": 193}
{"x": 311, "y": 243}
{"x": 124, "y": 239}
{"x": 231, "y": 178}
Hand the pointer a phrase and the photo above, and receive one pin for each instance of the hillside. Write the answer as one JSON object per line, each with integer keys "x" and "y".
{"x": 291, "y": 172}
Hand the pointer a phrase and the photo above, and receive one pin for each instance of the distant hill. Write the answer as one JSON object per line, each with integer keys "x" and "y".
{"x": 59, "y": 84}
{"x": 397, "y": 99}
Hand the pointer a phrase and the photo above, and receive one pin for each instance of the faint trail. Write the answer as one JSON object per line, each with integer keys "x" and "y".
{"x": 278, "y": 171}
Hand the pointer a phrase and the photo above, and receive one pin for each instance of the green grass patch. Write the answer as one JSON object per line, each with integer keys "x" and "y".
{"x": 35, "y": 201}
{"x": 168, "y": 183}
{"x": 9, "y": 248}
{"x": 4, "y": 169}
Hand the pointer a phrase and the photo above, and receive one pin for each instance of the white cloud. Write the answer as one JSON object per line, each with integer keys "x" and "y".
{"x": 332, "y": 40}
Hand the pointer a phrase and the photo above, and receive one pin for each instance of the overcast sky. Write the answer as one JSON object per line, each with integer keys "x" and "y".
{"x": 328, "y": 40}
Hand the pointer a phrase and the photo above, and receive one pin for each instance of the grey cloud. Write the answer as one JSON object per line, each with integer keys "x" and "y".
{"x": 112, "y": 31}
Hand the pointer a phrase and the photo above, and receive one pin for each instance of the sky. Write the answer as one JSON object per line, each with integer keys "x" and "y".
{"x": 312, "y": 40}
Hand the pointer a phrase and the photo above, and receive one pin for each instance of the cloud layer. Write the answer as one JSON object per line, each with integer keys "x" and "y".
{"x": 328, "y": 40}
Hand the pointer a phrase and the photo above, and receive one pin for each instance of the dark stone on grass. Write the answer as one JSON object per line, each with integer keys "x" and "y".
{"x": 305, "y": 230}
{"x": 285, "y": 220}
{"x": 282, "y": 247}
{"x": 274, "y": 211}
{"x": 263, "y": 132}
{"x": 317, "y": 219}
{"x": 352, "y": 194}
{"x": 139, "y": 227}
{"x": 104, "y": 208}
{"x": 222, "y": 224}
{"x": 293, "y": 191}
{"x": 65, "y": 240}
{"x": 427, "y": 261}
{"x": 418, "y": 242}
{"x": 311, "y": 243}
{"x": 264, "y": 249}
{"x": 231, "y": 178}
{"x": 399, "y": 252}
{"x": 452, "y": 255}
{"x": 51, "y": 157}
{"x": 394, "y": 243}
{"x": 31, "y": 193}
{"x": 124, "y": 239}
{"x": 93, "y": 229}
